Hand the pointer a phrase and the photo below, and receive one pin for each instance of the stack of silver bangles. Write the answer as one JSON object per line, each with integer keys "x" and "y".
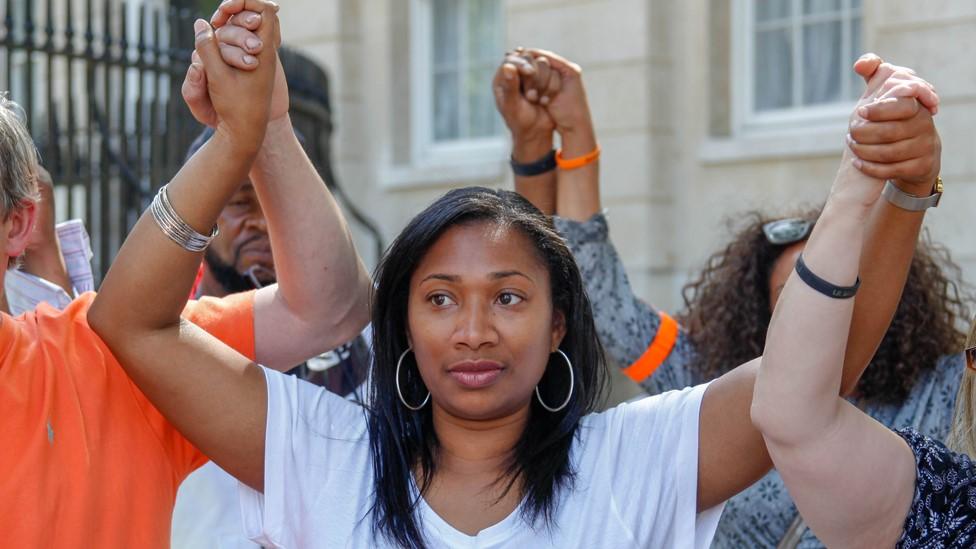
{"x": 175, "y": 228}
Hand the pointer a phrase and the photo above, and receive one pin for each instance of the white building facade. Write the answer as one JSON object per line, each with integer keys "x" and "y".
{"x": 703, "y": 108}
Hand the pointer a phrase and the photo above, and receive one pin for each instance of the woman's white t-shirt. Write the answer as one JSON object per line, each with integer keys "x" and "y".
{"x": 636, "y": 486}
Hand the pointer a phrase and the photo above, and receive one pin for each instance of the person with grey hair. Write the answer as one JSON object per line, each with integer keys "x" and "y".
{"x": 88, "y": 460}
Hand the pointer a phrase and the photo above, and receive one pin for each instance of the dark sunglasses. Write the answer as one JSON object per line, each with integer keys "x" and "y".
{"x": 787, "y": 231}
{"x": 971, "y": 358}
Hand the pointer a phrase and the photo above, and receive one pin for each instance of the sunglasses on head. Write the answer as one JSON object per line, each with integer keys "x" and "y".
{"x": 787, "y": 231}
{"x": 971, "y": 358}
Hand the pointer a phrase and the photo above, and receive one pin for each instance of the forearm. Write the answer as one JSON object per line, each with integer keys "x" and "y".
{"x": 151, "y": 270}
{"x": 578, "y": 191}
{"x": 540, "y": 190}
{"x": 797, "y": 389}
{"x": 889, "y": 246}
{"x": 322, "y": 283}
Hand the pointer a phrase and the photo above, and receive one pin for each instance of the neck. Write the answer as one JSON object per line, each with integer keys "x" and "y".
{"x": 3, "y": 293}
{"x": 468, "y": 446}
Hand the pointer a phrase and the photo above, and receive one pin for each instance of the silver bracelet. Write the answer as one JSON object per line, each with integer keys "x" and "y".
{"x": 175, "y": 228}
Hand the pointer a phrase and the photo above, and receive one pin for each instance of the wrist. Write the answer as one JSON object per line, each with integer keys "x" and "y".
{"x": 280, "y": 133}
{"x": 921, "y": 187}
{"x": 237, "y": 143}
{"x": 530, "y": 149}
{"x": 578, "y": 141}
{"x": 278, "y": 127}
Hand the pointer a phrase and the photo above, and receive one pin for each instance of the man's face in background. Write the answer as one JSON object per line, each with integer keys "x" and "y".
{"x": 241, "y": 253}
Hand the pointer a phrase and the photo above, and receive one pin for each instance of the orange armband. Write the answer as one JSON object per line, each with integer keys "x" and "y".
{"x": 657, "y": 351}
{"x": 578, "y": 162}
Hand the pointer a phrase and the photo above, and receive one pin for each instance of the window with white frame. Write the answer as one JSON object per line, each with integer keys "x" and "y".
{"x": 457, "y": 47}
{"x": 795, "y": 58}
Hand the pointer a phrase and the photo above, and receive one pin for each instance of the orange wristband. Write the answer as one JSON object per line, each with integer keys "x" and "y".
{"x": 578, "y": 162}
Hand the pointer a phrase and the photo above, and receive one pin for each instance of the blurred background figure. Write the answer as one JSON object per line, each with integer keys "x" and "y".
{"x": 56, "y": 267}
{"x": 911, "y": 380}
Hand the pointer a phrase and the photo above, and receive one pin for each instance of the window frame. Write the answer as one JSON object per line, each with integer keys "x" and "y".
{"x": 424, "y": 149}
{"x": 745, "y": 118}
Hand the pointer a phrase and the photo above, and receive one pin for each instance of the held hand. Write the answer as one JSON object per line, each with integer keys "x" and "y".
{"x": 896, "y": 138}
{"x": 240, "y": 99}
{"x": 569, "y": 108}
{"x": 526, "y": 118}
{"x": 239, "y": 44}
{"x": 891, "y": 134}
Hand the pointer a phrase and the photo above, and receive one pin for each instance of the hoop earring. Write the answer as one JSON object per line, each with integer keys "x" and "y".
{"x": 571, "y": 386}
{"x": 400, "y": 392}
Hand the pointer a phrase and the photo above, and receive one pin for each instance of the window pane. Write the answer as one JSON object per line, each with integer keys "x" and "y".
{"x": 821, "y": 54}
{"x": 484, "y": 31}
{"x": 467, "y": 45}
{"x": 820, "y": 6}
{"x": 482, "y": 115}
{"x": 446, "y": 123}
{"x": 857, "y": 84}
{"x": 768, "y": 10}
{"x": 774, "y": 70}
{"x": 445, "y": 46}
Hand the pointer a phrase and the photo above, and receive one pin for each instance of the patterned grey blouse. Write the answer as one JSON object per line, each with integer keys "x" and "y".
{"x": 761, "y": 515}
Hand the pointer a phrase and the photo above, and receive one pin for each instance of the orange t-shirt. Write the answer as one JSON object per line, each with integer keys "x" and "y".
{"x": 87, "y": 461}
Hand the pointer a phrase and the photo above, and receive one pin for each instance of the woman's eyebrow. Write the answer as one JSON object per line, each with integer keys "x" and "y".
{"x": 441, "y": 276}
{"x": 505, "y": 274}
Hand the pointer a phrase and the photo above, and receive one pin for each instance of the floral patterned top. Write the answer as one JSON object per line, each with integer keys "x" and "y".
{"x": 943, "y": 511}
{"x": 761, "y": 515}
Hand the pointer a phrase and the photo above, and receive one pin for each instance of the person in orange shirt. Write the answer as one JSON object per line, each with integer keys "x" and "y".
{"x": 87, "y": 460}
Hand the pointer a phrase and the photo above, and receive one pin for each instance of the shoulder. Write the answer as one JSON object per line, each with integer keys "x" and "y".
{"x": 53, "y": 325}
{"x": 944, "y": 505}
{"x": 49, "y": 327}
{"x": 664, "y": 415}
{"x": 312, "y": 411}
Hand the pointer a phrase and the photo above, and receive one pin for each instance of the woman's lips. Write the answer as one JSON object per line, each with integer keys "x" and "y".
{"x": 475, "y": 374}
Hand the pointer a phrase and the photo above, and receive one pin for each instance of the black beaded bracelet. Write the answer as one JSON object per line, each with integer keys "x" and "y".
{"x": 543, "y": 165}
{"x": 821, "y": 285}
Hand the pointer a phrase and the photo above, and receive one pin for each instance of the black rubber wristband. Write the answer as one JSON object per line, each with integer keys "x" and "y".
{"x": 543, "y": 165}
{"x": 821, "y": 285}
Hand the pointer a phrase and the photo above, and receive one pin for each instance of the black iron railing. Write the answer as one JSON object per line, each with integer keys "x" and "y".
{"x": 100, "y": 83}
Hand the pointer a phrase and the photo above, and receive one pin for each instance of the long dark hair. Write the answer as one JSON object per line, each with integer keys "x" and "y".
{"x": 402, "y": 441}
{"x": 728, "y": 312}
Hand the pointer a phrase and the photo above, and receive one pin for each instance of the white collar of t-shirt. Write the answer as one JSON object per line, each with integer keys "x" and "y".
{"x": 449, "y": 536}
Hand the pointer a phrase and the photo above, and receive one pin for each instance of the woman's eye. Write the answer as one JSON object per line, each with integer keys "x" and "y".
{"x": 441, "y": 300}
{"x": 509, "y": 298}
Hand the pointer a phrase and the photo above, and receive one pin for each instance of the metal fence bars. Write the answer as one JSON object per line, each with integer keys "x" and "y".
{"x": 100, "y": 84}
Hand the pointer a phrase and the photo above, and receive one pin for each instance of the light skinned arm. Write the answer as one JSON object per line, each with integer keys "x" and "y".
{"x": 214, "y": 396}
{"x": 320, "y": 299}
{"x": 851, "y": 477}
{"x": 905, "y": 145}
{"x": 725, "y": 437}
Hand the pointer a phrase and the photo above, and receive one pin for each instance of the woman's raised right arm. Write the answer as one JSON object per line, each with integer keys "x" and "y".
{"x": 214, "y": 396}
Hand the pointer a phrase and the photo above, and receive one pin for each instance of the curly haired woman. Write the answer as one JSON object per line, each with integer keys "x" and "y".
{"x": 911, "y": 381}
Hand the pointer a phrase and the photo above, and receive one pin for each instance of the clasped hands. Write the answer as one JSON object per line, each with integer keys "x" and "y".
{"x": 891, "y": 133}
{"x": 235, "y": 82}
